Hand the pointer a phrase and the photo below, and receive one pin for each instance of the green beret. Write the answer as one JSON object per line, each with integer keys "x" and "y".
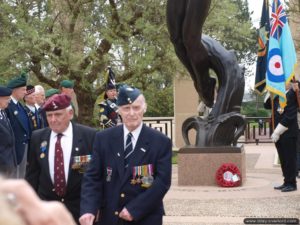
{"x": 67, "y": 84}
{"x": 127, "y": 95}
{"x": 51, "y": 92}
{"x": 19, "y": 81}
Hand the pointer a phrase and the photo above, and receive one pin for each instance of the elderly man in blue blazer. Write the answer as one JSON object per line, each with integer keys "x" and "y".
{"x": 8, "y": 161}
{"x": 130, "y": 171}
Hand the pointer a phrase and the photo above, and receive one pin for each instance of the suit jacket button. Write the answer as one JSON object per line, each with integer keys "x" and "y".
{"x": 116, "y": 213}
{"x": 53, "y": 189}
{"x": 122, "y": 195}
{"x": 62, "y": 200}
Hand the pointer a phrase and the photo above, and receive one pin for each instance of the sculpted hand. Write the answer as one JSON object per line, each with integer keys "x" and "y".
{"x": 125, "y": 215}
{"x": 87, "y": 219}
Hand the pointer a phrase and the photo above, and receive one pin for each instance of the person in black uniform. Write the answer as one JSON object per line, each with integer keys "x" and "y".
{"x": 31, "y": 110}
{"x": 8, "y": 160}
{"x": 59, "y": 154}
{"x": 108, "y": 109}
{"x": 285, "y": 138}
{"x": 19, "y": 121}
{"x": 130, "y": 171}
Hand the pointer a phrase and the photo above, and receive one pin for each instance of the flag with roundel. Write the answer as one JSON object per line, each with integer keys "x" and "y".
{"x": 281, "y": 55}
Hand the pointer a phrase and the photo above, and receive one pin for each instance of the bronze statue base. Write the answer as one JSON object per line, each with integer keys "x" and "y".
{"x": 197, "y": 166}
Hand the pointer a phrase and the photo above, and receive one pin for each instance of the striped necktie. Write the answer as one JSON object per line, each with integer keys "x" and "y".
{"x": 128, "y": 149}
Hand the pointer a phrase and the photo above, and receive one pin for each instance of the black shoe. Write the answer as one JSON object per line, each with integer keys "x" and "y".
{"x": 280, "y": 187}
{"x": 289, "y": 188}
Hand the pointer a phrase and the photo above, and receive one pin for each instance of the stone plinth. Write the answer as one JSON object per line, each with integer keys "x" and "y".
{"x": 197, "y": 166}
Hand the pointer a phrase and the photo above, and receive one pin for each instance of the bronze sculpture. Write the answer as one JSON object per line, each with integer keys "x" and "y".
{"x": 199, "y": 53}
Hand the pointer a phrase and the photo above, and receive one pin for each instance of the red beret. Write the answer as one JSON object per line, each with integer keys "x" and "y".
{"x": 57, "y": 102}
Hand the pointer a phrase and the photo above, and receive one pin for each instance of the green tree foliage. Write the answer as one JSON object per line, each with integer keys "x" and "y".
{"x": 78, "y": 39}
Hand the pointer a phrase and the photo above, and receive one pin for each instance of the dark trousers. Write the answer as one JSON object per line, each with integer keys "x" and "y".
{"x": 287, "y": 152}
{"x": 298, "y": 151}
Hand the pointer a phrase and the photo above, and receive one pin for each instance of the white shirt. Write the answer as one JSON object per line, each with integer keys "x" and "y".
{"x": 135, "y": 135}
{"x": 66, "y": 144}
{"x": 14, "y": 100}
{"x": 32, "y": 108}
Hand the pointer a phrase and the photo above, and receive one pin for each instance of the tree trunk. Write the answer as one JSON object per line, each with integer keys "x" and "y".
{"x": 86, "y": 102}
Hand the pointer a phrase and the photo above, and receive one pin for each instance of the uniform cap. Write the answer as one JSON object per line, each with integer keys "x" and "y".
{"x": 50, "y": 92}
{"x": 19, "y": 81}
{"x": 4, "y": 91}
{"x": 67, "y": 84}
{"x": 127, "y": 95}
{"x": 30, "y": 89}
{"x": 111, "y": 80}
{"x": 57, "y": 102}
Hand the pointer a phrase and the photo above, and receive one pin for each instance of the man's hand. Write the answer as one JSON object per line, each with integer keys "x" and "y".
{"x": 279, "y": 130}
{"x": 125, "y": 215}
{"x": 275, "y": 137}
{"x": 30, "y": 208}
{"x": 87, "y": 219}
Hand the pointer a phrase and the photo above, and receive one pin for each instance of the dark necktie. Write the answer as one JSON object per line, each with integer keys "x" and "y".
{"x": 59, "y": 169}
{"x": 128, "y": 149}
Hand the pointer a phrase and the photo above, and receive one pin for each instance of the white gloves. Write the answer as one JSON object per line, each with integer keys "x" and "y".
{"x": 280, "y": 129}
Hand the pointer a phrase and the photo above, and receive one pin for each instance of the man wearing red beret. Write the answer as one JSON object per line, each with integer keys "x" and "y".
{"x": 59, "y": 154}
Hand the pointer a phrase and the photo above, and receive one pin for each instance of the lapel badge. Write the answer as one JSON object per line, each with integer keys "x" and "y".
{"x": 42, "y": 155}
{"x": 15, "y": 112}
{"x": 76, "y": 149}
{"x": 108, "y": 174}
{"x": 143, "y": 150}
{"x": 118, "y": 154}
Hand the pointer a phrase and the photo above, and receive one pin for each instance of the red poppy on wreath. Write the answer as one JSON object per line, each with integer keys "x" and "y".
{"x": 228, "y": 175}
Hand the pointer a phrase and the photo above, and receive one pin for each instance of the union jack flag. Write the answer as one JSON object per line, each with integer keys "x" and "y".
{"x": 278, "y": 19}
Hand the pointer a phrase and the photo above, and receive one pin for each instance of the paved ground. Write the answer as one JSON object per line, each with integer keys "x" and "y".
{"x": 255, "y": 199}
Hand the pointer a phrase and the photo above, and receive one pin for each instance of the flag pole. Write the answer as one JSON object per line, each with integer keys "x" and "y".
{"x": 273, "y": 112}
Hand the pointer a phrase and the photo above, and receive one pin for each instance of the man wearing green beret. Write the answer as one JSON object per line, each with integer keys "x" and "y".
{"x": 67, "y": 87}
{"x": 19, "y": 121}
{"x": 50, "y": 92}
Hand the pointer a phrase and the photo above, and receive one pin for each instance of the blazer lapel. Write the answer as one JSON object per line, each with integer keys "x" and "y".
{"x": 43, "y": 152}
{"x": 117, "y": 146}
{"x": 76, "y": 148}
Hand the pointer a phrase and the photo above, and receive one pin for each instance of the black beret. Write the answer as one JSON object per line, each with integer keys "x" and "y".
{"x": 57, "y": 102}
{"x": 30, "y": 89}
{"x": 19, "y": 81}
{"x": 4, "y": 91}
{"x": 127, "y": 95}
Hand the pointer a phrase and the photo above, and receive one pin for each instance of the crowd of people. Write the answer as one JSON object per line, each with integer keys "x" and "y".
{"x": 118, "y": 175}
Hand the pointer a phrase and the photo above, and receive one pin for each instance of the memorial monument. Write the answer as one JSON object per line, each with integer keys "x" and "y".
{"x": 216, "y": 135}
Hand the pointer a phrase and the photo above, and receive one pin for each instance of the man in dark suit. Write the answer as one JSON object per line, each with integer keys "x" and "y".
{"x": 130, "y": 171}
{"x": 19, "y": 121}
{"x": 8, "y": 160}
{"x": 59, "y": 154}
{"x": 285, "y": 138}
